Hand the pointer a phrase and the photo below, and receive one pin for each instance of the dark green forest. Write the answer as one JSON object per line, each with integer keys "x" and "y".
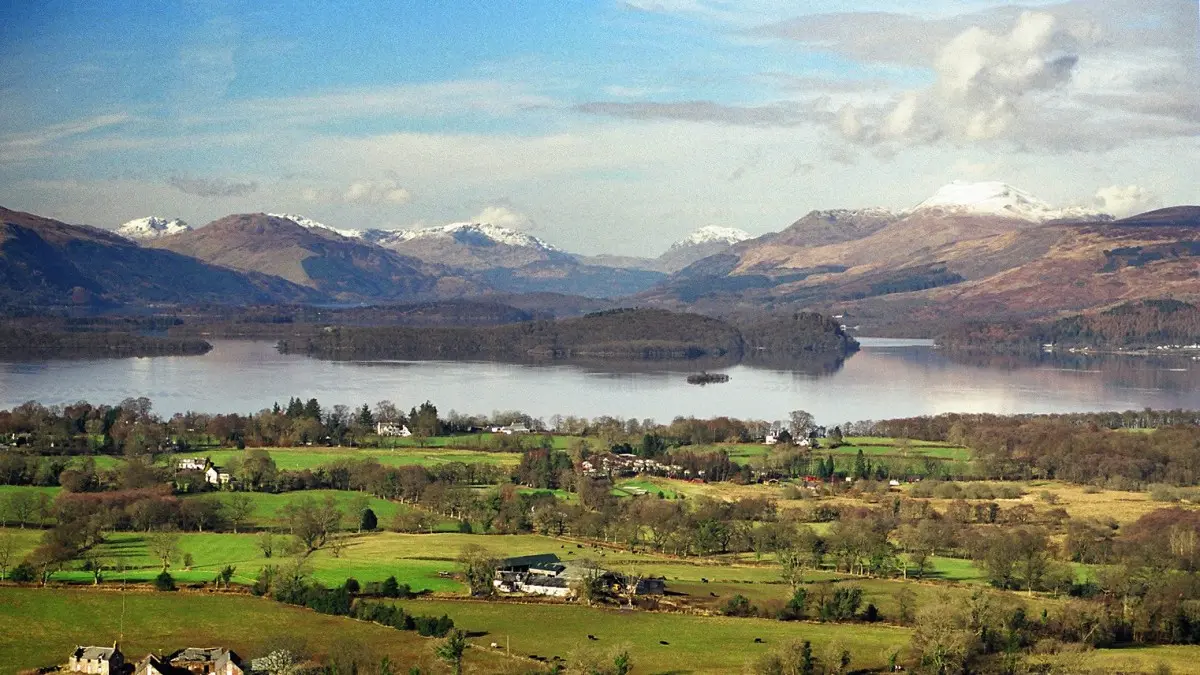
{"x": 1136, "y": 325}
{"x": 623, "y": 334}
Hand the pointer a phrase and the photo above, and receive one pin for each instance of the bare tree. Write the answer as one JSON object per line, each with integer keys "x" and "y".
{"x": 8, "y": 550}
{"x": 22, "y": 504}
{"x": 164, "y": 546}
{"x": 266, "y": 543}
{"x": 238, "y": 509}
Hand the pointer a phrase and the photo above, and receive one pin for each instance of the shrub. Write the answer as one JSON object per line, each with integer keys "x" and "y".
{"x": 351, "y": 585}
{"x": 871, "y": 614}
{"x": 738, "y": 605}
{"x": 164, "y": 581}
{"x": 843, "y": 606}
{"x": 391, "y": 589}
{"x": 23, "y": 574}
{"x": 369, "y": 521}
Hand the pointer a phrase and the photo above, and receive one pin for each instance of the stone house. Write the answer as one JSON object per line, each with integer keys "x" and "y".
{"x": 97, "y": 660}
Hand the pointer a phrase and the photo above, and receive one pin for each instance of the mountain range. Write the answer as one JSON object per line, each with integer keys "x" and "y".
{"x": 971, "y": 250}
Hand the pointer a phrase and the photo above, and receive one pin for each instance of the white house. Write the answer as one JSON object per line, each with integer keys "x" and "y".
{"x": 518, "y": 428}
{"x": 392, "y": 429}
{"x": 192, "y": 464}
{"x": 215, "y": 476}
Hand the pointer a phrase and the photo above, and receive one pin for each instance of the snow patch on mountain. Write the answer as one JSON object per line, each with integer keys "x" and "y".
{"x": 870, "y": 212}
{"x": 994, "y": 198}
{"x": 469, "y": 231}
{"x": 713, "y": 234}
{"x": 152, "y": 227}
{"x": 310, "y": 224}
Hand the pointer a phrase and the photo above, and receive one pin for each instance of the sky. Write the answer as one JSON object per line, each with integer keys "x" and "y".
{"x": 601, "y": 127}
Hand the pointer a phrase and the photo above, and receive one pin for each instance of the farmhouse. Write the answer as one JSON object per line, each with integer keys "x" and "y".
{"x": 392, "y": 429}
{"x": 97, "y": 660}
{"x": 518, "y": 428}
{"x": 192, "y": 464}
{"x": 546, "y": 575}
{"x": 213, "y": 474}
{"x": 192, "y": 661}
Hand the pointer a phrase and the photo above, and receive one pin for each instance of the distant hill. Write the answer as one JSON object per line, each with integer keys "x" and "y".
{"x": 45, "y": 262}
{"x": 338, "y": 266}
{"x": 972, "y": 251}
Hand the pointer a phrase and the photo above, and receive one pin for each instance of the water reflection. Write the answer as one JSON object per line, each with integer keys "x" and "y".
{"x": 886, "y": 379}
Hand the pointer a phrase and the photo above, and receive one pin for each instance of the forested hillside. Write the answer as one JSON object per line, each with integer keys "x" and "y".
{"x": 26, "y": 343}
{"x": 624, "y": 334}
{"x": 1135, "y": 325}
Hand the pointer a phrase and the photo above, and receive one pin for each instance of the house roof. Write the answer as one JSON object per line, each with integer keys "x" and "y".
{"x": 94, "y": 653}
{"x": 547, "y": 582}
{"x": 528, "y": 560}
{"x": 550, "y": 568}
{"x": 154, "y": 665}
{"x": 201, "y": 655}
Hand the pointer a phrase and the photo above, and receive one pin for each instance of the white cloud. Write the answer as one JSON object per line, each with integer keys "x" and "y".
{"x": 32, "y": 145}
{"x": 1126, "y": 200}
{"x": 984, "y": 88}
{"x": 374, "y": 191}
{"x": 503, "y": 216}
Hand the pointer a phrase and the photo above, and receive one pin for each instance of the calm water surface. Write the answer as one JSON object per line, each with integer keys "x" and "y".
{"x": 888, "y": 378}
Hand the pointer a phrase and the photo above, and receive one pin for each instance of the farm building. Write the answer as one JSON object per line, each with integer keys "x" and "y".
{"x": 547, "y": 575}
{"x": 206, "y": 661}
{"x": 213, "y": 474}
{"x": 392, "y": 429}
{"x": 97, "y": 660}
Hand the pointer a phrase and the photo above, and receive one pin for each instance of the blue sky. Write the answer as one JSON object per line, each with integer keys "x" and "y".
{"x": 600, "y": 126}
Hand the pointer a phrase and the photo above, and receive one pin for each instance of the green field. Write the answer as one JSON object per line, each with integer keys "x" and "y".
{"x": 6, "y": 490}
{"x": 39, "y": 627}
{"x": 297, "y": 459}
{"x": 268, "y": 507}
{"x": 643, "y": 486}
{"x": 414, "y": 559}
{"x": 696, "y": 644}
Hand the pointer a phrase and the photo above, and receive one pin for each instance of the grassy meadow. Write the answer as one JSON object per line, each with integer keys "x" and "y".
{"x": 40, "y": 627}
{"x": 696, "y": 644}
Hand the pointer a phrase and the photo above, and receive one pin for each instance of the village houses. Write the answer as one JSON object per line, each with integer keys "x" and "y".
{"x": 189, "y": 661}
{"x": 213, "y": 475}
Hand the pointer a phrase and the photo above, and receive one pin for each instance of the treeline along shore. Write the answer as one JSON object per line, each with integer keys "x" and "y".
{"x": 1147, "y": 325}
{"x": 23, "y": 343}
{"x": 623, "y": 334}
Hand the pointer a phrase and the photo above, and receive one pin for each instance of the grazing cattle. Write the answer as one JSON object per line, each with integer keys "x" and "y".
{"x": 713, "y": 594}
{"x": 704, "y": 580}
{"x": 593, "y": 637}
{"x": 663, "y": 642}
{"x": 758, "y": 641}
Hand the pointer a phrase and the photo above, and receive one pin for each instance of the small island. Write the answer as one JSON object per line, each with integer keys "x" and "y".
{"x": 707, "y": 378}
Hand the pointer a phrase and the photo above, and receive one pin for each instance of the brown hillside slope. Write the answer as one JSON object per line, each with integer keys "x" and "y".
{"x": 47, "y": 262}
{"x": 342, "y": 267}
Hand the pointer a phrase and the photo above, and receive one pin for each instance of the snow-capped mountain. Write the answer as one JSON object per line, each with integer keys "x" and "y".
{"x": 479, "y": 234}
{"x": 700, "y": 244}
{"x": 152, "y": 227}
{"x": 311, "y": 224}
{"x": 713, "y": 234}
{"x": 994, "y": 198}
